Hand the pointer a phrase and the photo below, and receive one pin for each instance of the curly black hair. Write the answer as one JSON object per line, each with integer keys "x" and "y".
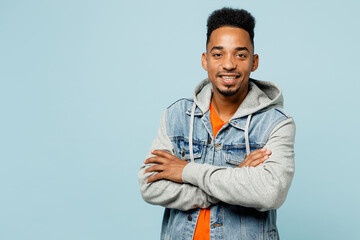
{"x": 231, "y": 17}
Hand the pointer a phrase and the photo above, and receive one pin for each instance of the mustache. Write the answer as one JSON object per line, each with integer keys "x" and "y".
{"x": 228, "y": 72}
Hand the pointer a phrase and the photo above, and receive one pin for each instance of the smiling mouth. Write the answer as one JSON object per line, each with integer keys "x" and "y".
{"x": 229, "y": 79}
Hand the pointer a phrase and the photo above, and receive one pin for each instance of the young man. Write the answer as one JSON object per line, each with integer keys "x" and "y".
{"x": 223, "y": 161}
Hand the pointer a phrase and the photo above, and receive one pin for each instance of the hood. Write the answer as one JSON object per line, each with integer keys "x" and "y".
{"x": 262, "y": 96}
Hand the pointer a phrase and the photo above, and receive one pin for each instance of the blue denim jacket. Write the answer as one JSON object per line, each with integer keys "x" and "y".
{"x": 243, "y": 201}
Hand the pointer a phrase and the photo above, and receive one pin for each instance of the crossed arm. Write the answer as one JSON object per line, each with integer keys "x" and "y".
{"x": 169, "y": 167}
{"x": 261, "y": 181}
{"x": 162, "y": 184}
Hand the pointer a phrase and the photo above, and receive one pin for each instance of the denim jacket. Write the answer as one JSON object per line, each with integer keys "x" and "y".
{"x": 243, "y": 201}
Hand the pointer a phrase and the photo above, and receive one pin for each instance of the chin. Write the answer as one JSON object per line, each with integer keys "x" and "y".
{"x": 228, "y": 92}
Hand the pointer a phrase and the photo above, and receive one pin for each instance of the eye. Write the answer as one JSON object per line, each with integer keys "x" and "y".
{"x": 217, "y": 55}
{"x": 241, "y": 55}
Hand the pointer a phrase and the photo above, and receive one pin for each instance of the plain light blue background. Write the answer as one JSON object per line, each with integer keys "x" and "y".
{"x": 83, "y": 85}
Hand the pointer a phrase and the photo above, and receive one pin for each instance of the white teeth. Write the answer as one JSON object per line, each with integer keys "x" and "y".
{"x": 228, "y": 77}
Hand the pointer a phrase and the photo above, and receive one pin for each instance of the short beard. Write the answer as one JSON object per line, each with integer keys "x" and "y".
{"x": 228, "y": 93}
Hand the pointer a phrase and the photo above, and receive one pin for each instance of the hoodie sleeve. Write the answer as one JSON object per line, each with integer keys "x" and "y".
{"x": 167, "y": 193}
{"x": 263, "y": 187}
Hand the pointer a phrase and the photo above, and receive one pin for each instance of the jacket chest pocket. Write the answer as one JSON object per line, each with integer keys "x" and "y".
{"x": 236, "y": 154}
{"x": 182, "y": 150}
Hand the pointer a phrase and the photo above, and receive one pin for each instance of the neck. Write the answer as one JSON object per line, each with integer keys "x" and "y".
{"x": 225, "y": 106}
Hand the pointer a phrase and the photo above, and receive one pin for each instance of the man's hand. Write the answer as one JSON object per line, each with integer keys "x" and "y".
{"x": 255, "y": 158}
{"x": 167, "y": 165}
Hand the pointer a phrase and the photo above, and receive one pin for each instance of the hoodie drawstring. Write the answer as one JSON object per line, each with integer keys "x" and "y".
{"x": 191, "y": 132}
{"x": 247, "y": 143}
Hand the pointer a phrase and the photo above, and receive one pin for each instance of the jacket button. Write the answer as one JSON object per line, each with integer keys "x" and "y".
{"x": 217, "y": 225}
{"x": 189, "y": 217}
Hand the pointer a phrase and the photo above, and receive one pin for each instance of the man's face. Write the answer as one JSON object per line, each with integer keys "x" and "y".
{"x": 229, "y": 60}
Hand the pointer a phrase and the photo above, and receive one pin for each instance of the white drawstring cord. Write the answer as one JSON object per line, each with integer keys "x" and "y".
{"x": 247, "y": 143}
{"x": 191, "y": 133}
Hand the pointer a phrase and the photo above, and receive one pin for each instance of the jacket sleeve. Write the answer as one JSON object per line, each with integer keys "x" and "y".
{"x": 263, "y": 187}
{"x": 167, "y": 193}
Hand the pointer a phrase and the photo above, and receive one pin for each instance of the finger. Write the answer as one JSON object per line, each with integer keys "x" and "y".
{"x": 268, "y": 151}
{"x": 258, "y": 161}
{"x": 258, "y": 151}
{"x": 252, "y": 163}
{"x": 155, "y": 159}
{"x": 258, "y": 154}
{"x": 155, "y": 177}
{"x": 254, "y": 160}
{"x": 155, "y": 168}
{"x": 261, "y": 151}
{"x": 162, "y": 153}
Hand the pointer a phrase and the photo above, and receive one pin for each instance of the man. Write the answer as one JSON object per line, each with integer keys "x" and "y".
{"x": 222, "y": 162}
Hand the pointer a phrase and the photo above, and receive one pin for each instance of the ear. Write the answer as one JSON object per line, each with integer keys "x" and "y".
{"x": 204, "y": 60}
{"x": 255, "y": 62}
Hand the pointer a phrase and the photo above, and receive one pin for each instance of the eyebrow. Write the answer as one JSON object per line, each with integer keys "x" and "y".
{"x": 242, "y": 49}
{"x": 237, "y": 49}
{"x": 216, "y": 48}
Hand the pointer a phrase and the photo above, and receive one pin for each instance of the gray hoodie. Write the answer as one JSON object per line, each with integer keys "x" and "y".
{"x": 263, "y": 187}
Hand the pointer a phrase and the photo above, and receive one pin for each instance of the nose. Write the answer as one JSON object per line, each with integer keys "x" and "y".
{"x": 229, "y": 63}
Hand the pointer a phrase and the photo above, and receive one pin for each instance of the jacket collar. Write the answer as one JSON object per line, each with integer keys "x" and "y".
{"x": 198, "y": 112}
{"x": 238, "y": 123}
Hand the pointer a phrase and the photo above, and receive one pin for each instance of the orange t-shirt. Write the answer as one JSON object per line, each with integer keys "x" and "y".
{"x": 202, "y": 230}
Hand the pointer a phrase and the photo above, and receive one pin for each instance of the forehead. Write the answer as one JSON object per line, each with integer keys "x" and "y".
{"x": 229, "y": 38}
